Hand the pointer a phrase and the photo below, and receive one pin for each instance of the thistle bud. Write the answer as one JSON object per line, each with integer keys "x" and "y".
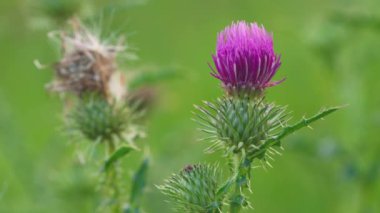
{"x": 240, "y": 124}
{"x": 194, "y": 189}
{"x": 96, "y": 119}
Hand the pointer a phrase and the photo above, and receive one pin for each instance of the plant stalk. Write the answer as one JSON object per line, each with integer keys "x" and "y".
{"x": 242, "y": 180}
{"x": 112, "y": 181}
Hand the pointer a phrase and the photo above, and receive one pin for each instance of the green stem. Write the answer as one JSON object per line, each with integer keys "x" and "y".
{"x": 112, "y": 181}
{"x": 242, "y": 177}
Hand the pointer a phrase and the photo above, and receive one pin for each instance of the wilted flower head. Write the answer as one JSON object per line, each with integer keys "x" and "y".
{"x": 195, "y": 189}
{"x": 88, "y": 64}
{"x": 245, "y": 61}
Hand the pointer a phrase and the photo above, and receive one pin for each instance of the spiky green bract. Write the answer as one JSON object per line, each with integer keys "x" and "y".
{"x": 195, "y": 189}
{"x": 241, "y": 125}
{"x": 97, "y": 119}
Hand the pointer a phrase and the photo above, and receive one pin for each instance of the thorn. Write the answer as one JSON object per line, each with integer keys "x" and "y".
{"x": 263, "y": 166}
{"x": 270, "y": 157}
{"x": 274, "y": 150}
{"x": 310, "y": 127}
{"x": 39, "y": 65}
{"x": 249, "y": 186}
{"x": 270, "y": 165}
{"x": 254, "y": 146}
{"x": 270, "y": 151}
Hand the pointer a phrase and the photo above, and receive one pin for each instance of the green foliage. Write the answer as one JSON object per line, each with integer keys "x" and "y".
{"x": 118, "y": 154}
{"x": 243, "y": 171}
{"x": 304, "y": 180}
{"x": 248, "y": 126}
{"x": 139, "y": 181}
{"x": 289, "y": 129}
{"x": 196, "y": 189}
{"x": 248, "y": 129}
{"x": 96, "y": 119}
{"x": 224, "y": 189}
{"x": 138, "y": 185}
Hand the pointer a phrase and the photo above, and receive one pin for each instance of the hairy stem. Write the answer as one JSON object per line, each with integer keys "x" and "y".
{"x": 112, "y": 187}
{"x": 242, "y": 180}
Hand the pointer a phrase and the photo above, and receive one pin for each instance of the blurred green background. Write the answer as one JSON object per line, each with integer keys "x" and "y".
{"x": 330, "y": 53}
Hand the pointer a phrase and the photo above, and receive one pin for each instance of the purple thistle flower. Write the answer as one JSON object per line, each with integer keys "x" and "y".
{"x": 245, "y": 60}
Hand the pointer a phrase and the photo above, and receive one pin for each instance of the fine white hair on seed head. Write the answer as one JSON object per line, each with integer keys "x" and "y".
{"x": 87, "y": 63}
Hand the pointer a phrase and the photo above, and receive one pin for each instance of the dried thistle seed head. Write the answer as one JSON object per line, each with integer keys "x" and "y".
{"x": 87, "y": 63}
{"x": 240, "y": 124}
{"x": 96, "y": 119}
{"x": 194, "y": 189}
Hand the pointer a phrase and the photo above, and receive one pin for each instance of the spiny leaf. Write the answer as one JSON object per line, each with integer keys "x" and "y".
{"x": 139, "y": 182}
{"x": 121, "y": 152}
{"x": 306, "y": 122}
{"x": 276, "y": 140}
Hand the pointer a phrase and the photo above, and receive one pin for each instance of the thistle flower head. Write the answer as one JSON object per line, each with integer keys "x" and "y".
{"x": 87, "y": 64}
{"x": 194, "y": 189}
{"x": 240, "y": 125}
{"x": 245, "y": 61}
{"x": 96, "y": 119}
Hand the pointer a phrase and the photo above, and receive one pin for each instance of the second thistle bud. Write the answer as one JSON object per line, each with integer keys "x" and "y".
{"x": 194, "y": 189}
{"x": 240, "y": 124}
